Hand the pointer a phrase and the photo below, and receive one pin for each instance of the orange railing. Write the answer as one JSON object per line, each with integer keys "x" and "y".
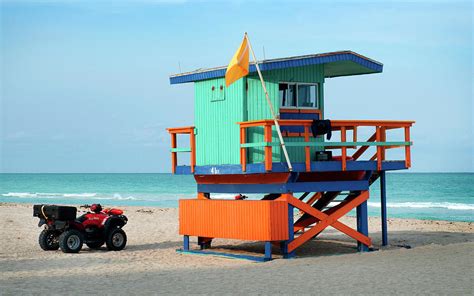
{"x": 378, "y": 139}
{"x": 188, "y": 130}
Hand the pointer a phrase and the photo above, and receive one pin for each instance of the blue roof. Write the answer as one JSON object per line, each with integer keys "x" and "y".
{"x": 341, "y": 63}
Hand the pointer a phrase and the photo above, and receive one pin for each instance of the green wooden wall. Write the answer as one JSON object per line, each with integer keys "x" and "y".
{"x": 258, "y": 108}
{"x": 217, "y": 112}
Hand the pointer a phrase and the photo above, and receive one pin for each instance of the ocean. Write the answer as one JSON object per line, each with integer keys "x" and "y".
{"x": 435, "y": 196}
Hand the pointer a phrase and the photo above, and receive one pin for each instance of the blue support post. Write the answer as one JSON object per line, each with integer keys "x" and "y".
{"x": 383, "y": 202}
{"x": 186, "y": 243}
{"x": 268, "y": 251}
{"x": 362, "y": 225}
{"x": 291, "y": 234}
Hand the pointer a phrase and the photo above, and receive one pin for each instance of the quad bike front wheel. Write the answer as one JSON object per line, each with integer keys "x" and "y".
{"x": 71, "y": 241}
{"x": 116, "y": 239}
{"x": 48, "y": 240}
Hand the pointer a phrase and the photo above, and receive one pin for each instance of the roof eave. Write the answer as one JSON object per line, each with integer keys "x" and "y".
{"x": 274, "y": 64}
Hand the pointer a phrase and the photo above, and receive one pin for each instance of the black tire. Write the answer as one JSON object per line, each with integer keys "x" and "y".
{"x": 95, "y": 245}
{"x": 48, "y": 240}
{"x": 116, "y": 239}
{"x": 71, "y": 241}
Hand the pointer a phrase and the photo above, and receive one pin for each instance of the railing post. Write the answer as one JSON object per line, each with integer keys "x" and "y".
{"x": 407, "y": 148}
{"x": 192, "y": 140}
{"x": 174, "y": 155}
{"x": 268, "y": 149}
{"x": 343, "y": 148}
{"x": 243, "y": 151}
{"x": 379, "y": 148}
{"x": 307, "y": 149}
{"x": 383, "y": 138}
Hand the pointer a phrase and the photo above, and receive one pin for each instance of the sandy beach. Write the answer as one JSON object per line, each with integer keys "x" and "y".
{"x": 424, "y": 257}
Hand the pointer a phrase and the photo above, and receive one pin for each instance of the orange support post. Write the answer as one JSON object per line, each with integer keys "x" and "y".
{"x": 379, "y": 149}
{"x": 407, "y": 148}
{"x": 268, "y": 149}
{"x": 174, "y": 155}
{"x": 344, "y": 148}
{"x": 243, "y": 151}
{"x": 307, "y": 149}
{"x": 192, "y": 140}
{"x": 354, "y": 134}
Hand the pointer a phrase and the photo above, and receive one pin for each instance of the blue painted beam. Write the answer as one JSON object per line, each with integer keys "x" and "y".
{"x": 183, "y": 170}
{"x": 242, "y": 188}
{"x": 278, "y": 167}
{"x": 222, "y": 254}
{"x": 285, "y": 187}
{"x": 383, "y": 206}
{"x": 327, "y": 186}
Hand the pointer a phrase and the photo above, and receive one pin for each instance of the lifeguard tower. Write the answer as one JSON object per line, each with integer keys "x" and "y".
{"x": 234, "y": 148}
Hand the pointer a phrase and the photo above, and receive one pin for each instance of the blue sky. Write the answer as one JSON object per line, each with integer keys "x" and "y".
{"x": 84, "y": 84}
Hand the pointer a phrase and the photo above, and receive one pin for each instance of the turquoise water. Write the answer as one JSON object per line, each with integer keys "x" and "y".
{"x": 436, "y": 196}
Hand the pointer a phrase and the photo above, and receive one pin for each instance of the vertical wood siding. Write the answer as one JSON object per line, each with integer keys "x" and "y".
{"x": 258, "y": 108}
{"x": 234, "y": 219}
{"x": 216, "y": 114}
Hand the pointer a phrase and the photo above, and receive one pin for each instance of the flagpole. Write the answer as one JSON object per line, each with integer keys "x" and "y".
{"x": 277, "y": 126}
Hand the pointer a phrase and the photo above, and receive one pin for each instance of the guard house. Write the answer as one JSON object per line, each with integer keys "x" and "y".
{"x": 234, "y": 148}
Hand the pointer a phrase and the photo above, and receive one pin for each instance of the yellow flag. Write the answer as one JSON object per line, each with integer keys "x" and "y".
{"x": 239, "y": 65}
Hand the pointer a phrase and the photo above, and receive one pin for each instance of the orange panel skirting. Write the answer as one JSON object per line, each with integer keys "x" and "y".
{"x": 234, "y": 219}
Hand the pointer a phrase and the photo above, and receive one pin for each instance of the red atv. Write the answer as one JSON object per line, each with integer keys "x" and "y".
{"x": 63, "y": 230}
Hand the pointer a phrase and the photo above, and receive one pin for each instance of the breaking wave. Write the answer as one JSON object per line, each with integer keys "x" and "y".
{"x": 79, "y": 194}
{"x": 115, "y": 196}
{"x": 426, "y": 205}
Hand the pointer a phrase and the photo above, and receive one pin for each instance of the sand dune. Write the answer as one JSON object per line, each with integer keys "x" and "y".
{"x": 425, "y": 257}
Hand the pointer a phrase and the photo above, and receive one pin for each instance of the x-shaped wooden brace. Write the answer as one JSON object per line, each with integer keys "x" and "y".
{"x": 326, "y": 220}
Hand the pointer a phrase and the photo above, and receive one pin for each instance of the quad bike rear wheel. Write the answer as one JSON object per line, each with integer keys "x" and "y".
{"x": 116, "y": 240}
{"x": 71, "y": 241}
{"x": 48, "y": 240}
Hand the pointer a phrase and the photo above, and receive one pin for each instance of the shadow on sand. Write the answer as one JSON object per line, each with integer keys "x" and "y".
{"x": 155, "y": 246}
{"x": 331, "y": 244}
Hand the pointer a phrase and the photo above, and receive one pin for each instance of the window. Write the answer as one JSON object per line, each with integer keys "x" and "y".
{"x": 307, "y": 94}
{"x": 287, "y": 95}
{"x": 301, "y": 95}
